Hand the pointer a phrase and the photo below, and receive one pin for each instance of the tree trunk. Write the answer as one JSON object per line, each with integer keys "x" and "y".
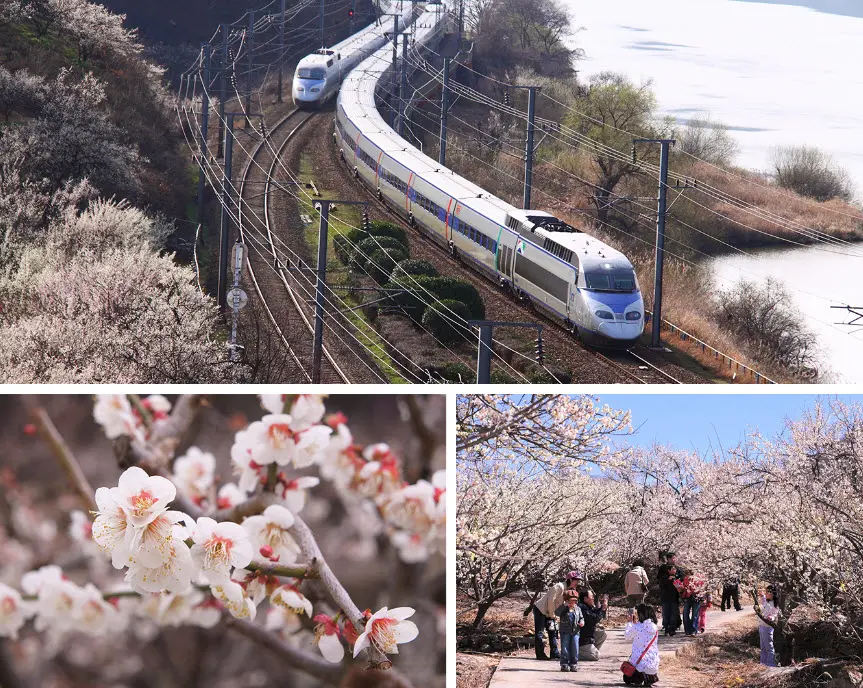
{"x": 481, "y": 610}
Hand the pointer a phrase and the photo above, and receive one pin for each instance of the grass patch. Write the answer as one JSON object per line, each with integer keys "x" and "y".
{"x": 342, "y": 220}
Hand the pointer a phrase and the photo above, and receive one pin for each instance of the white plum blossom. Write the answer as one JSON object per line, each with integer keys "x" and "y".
{"x": 80, "y": 527}
{"x": 110, "y": 527}
{"x": 305, "y": 410}
{"x": 282, "y": 620}
{"x": 248, "y": 470}
{"x": 143, "y": 497}
{"x": 194, "y": 473}
{"x": 235, "y": 599}
{"x": 327, "y": 636}
{"x": 341, "y": 460}
{"x": 293, "y": 492}
{"x": 218, "y": 547}
{"x": 288, "y": 597}
{"x": 114, "y": 413}
{"x": 386, "y": 629}
{"x": 174, "y": 573}
{"x": 229, "y": 496}
{"x": 13, "y": 612}
{"x": 272, "y": 529}
{"x": 412, "y": 548}
{"x": 275, "y": 440}
{"x": 93, "y": 615}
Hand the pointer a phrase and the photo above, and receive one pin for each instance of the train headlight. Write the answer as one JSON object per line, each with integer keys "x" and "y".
{"x": 316, "y": 90}
{"x": 605, "y": 315}
{"x": 633, "y": 315}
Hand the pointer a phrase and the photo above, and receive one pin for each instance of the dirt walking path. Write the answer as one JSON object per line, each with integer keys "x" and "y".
{"x": 525, "y": 671}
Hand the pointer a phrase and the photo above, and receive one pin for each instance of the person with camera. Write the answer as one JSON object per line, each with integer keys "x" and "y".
{"x": 544, "y": 615}
{"x": 642, "y": 669}
{"x": 591, "y": 637}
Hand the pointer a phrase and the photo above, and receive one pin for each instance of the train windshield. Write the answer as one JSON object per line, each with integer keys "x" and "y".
{"x": 618, "y": 281}
{"x": 309, "y": 73}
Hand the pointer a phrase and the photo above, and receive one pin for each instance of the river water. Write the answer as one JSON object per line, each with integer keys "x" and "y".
{"x": 777, "y": 72}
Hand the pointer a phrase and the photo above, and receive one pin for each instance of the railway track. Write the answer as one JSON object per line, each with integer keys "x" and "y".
{"x": 257, "y": 205}
{"x": 638, "y": 368}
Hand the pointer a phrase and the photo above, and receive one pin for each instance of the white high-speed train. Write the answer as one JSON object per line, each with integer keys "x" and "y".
{"x": 571, "y": 275}
{"x": 318, "y": 76}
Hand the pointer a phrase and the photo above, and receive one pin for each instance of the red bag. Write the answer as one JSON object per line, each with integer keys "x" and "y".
{"x": 628, "y": 668}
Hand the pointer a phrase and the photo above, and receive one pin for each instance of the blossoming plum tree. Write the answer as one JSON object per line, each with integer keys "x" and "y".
{"x": 197, "y": 553}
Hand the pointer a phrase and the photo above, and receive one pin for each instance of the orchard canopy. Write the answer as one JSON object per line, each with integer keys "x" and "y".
{"x": 546, "y": 484}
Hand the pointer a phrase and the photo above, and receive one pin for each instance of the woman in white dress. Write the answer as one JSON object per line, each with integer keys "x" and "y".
{"x": 643, "y": 631}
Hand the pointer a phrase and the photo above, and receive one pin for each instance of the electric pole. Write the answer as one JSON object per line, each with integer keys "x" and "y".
{"x": 323, "y": 206}
{"x": 250, "y": 39}
{"x": 484, "y": 350}
{"x": 528, "y": 152}
{"x": 403, "y": 87}
{"x": 227, "y": 197}
{"x": 661, "y": 208}
{"x": 281, "y": 48}
{"x": 205, "y": 118}
{"x": 323, "y": 45}
{"x": 223, "y": 89}
{"x": 444, "y": 106}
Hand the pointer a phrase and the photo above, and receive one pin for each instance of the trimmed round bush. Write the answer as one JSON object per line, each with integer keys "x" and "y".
{"x": 381, "y": 262}
{"x": 382, "y": 228}
{"x": 450, "y": 288}
{"x": 415, "y": 267}
{"x": 342, "y": 248}
{"x": 407, "y": 301}
{"x": 501, "y": 377}
{"x": 367, "y": 247}
{"x": 447, "y": 320}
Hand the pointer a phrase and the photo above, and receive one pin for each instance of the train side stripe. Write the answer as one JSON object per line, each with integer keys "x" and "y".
{"x": 378, "y": 169}
{"x": 408, "y": 193}
{"x": 359, "y": 136}
{"x": 446, "y": 227}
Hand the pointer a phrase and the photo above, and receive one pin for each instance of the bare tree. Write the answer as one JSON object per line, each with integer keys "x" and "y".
{"x": 811, "y": 172}
{"x": 704, "y": 138}
{"x": 765, "y": 318}
{"x": 614, "y": 110}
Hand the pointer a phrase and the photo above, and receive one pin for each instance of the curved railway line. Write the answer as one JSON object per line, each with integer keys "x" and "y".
{"x": 267, "y": 275}
{"x": 624, "y": 366}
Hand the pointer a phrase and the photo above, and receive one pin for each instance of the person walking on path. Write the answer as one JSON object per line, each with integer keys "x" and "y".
{"x": 769, "y": 613}
{"x": 731, "y": 591}
{"x": 670, "y": 598}
{"x": 544, "y": 615}
{"x": 592, "y": 637}
{"x": 571, "y": 622}
{"x": 635, "y": 585}
{"x": 643, "y": 631}
{"x": 691, "y": 587}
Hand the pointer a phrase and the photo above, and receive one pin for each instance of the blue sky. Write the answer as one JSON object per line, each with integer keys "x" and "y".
{"x": 702, "y": 421}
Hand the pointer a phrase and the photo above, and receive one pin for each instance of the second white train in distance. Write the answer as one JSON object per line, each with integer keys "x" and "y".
{"x": 572, "y": 276}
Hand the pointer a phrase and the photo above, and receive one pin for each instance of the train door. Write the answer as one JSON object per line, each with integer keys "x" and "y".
{"x": 505, "y": 256}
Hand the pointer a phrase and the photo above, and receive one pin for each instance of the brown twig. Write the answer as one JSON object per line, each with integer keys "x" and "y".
{"x": 337, "y": 593}
{"x": 304, "y": 661}
{"x": 306, "y": 572}
{"x": 64, "y": 455}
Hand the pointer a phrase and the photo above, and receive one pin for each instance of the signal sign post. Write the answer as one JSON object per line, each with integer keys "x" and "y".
{"x": 237, "y": 298}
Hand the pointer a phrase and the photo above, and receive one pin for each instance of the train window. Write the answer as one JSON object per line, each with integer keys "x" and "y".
{"x": 541, "y": 277}
{"x": 308, "y": 73}
{"x": 619, "y": 281}
{"x": 329, "y": 63}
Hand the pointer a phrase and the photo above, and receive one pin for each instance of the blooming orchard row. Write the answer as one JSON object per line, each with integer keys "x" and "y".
{"x": 183, "y": 566}
{"x": 785, "y": 510}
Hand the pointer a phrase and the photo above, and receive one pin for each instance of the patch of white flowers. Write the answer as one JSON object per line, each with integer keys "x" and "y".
{"x": 181, "y": 570}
